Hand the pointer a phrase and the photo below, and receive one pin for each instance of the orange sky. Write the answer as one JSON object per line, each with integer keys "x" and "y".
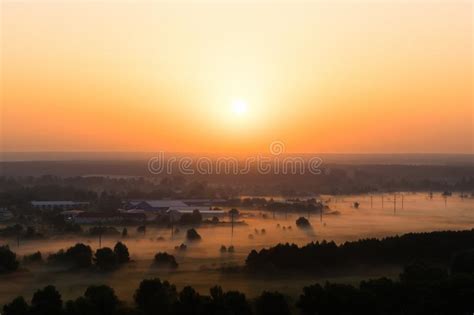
{"x": 321, "y": 76}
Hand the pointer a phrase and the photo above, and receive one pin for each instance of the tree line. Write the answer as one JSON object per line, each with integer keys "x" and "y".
{"x": 79, "y": 256}
{"x": 420, "y": 289}
{"x": 434, "y": 247}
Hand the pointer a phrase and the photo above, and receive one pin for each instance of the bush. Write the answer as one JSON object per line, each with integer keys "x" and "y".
{"x": 8, "y": 262}
{"x": 165, "y": 260}
{"x": 192, "y": 235}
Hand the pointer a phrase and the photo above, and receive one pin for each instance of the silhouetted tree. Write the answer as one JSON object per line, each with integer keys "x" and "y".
{"x": 272, "y": 303}
{"x": 33, "y": 258}
{"x": 192, "y": 235}
{"x": 165, "y": 260}
{"x": 303, "y": 223}
{"x": 190, "y": 302}
{"x": 124, "y": 232}
{"x": 463, "y": 262}
{"x": 80, "y": 306}
{"x": 78, "y": 256}
{"x": 46, "y": 302}
{"x": 8, "y": 262}
{"x": 121, "y": 251}
{"x": 103, "y": 298}
{"x": 106, "y": 259}
{"x": 153, "y": 295}
{"x": 16, "y": 307}
{"x": 141, "y": 229}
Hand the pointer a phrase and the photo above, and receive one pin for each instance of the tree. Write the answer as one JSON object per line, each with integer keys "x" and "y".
{"x": 421, "y": 272}
{"x": 80, "y": 306}
{"x": 8, "y": 262}
{"x": 46, "y": 302}
{"x": 303, "y": 223}
{"x": 103, "y": 298}
{"x": 332, "y": 299}
{"x": 190, "y": 302}
{"x": 80, "y": 255}
{"x": 16, "y": 307}
{"x": 153, "y": 295}
{"x": 33, "y": 258}
{"x": 121, "y": 250}
{"x": 141, "y": 229}
{"x": 272, "y": 303}
{"x": 106, "y": 259}
{"x": 165, "y": 260}
{"x": 463, "y": 262}
{"x": 193, "y": 235}
{"x": 124, "y": 232}
{"x": 191, "y": 218}
{"x": 235, "y": 303}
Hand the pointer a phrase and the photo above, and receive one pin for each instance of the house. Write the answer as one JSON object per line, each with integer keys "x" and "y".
{"x": 160, "y": 206}
{"x": 163, "y": 206}
{"x": 205, "y": 213}
{"x": 109, "y": 218}
{"x": 59, "y": 205}
{"x": 5, "y": 214}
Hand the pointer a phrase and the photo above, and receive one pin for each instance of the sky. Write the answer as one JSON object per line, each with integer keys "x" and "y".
{"x": 232, "y": 76}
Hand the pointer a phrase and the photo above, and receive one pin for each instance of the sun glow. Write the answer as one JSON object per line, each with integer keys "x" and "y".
{"x": 239, "y": 107}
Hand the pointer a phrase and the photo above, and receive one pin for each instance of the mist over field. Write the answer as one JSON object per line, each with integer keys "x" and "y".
{"x": 200, "y": 265}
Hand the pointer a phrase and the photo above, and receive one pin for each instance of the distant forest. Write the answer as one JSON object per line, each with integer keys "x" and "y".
{"x": 68, "y": 180}
{"x": 448, "y": 248}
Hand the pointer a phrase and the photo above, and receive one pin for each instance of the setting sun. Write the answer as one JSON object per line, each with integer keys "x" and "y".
{"x": 239, "y": 107}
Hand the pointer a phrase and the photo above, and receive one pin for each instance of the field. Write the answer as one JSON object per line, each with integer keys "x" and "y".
{"x": 199, "y": 264}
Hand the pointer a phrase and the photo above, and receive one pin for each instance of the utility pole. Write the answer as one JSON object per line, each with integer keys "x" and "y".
{"x": 100, "y": 234}
{"x": 371, "y": 202}
{"x": 382, "y": 201}
{"x": 394, "y": 204}
{"x": 403, "y": 197}
{"x": 172, "y": 224}
{"x": 232, "y": 226}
